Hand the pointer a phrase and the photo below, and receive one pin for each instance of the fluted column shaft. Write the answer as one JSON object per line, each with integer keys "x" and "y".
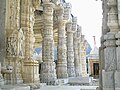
{"x": 48, "y": 73}
{"x": 70, "y": 51}
{"x": 62, "y": 59}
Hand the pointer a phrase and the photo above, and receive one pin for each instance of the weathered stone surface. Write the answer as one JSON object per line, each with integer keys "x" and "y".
{"x": 1, "y": 77}
{"x": 30, "y": 72}
{"x": 48, "y": 72}
{"x": 16, "y": 87}
{"x": 110, "y": 52}
{"x": 76, "y": 47}
{"x": 27, "y": 22}
{"x": 83, "y": 56}
{"x": 108, "y": 80}
{"x": 2, "y": 30}
{"x": 78, "y": 80}
{"x": 70, "y": 51}
{"x": 117, "y": 80}
{"x": 62, "y": 54}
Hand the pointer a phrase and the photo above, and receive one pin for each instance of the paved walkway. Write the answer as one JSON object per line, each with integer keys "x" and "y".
{"x": 68, "y": 88}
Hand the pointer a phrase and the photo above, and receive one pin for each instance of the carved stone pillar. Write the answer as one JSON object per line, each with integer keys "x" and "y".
{"x": 83, "y": 56}
{"x": 117, "y": 72}
{"x": 109, "y": 74}
{"x": 2, "y": 30}
{"x": 75, "y": 41}
{"x": 31, "y": 67}
{"x": 70, "y": 51}
{"x": 79, "y": 47}
{"x": 105, "y": 30}
{"x": 101, "y": 60}
{"x": 62, "y": 59}
{"x": 48, "y": 72}
{"x": 14, "y": 41}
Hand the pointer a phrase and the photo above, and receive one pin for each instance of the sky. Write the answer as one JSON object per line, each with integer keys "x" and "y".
{"x": 89, "y": 15}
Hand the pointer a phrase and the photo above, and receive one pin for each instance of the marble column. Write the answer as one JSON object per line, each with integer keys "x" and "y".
{"x": 30, "y": 66}
{"x": 105, "y": 30}
{"x": 117, "y": 72}
{"x": 48, "y": 72}
{"x": 75, "y": 41}
{"x": 62, "y": 59}
{"x": 14, "y": 39}
{"x": 109, "y": 74}
{"x": 101, "y": 61}
{"x": 83, "y": 56}
{"x": 70, "y": 51}
{"x": 79, "y": 47}
{"x": 2, "y": 30}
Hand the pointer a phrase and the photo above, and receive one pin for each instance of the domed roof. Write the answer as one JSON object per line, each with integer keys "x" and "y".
{"x": 94, "y": 54}
{"x": 94, "y": 51}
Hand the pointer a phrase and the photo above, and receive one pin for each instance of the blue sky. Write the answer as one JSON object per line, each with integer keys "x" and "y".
{"x": 89, "y": 14}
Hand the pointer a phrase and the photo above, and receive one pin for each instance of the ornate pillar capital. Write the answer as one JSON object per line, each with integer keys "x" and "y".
{"x": 79, "y": 31}
{"x": 69, "y": 27}
{"x": 74, "y": 24}
{"x": 113, "y": 16}
{"x": 59, "y": 11}
{"x": 67, "y": 11}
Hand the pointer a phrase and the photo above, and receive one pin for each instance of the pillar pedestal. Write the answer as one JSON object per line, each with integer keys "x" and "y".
{"x": 30, "y": 71}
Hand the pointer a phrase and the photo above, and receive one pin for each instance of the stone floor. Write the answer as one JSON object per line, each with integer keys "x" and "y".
{"x": 68, "y": 88}
{"x": 92, "y": 86}
{"x": 32, "y": 86}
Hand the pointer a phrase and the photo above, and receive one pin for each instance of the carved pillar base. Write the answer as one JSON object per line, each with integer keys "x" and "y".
{"x": 31, "y": 71}
{"x": 62, "y": 70}
{"x": 71, "y": 70}
{"x": 117, "y": 80}
{"x": 111, "y": 80}
{"x": 48, "y": 74}
{"x": 12, "y": 72}
{"x": 107, "y": 77}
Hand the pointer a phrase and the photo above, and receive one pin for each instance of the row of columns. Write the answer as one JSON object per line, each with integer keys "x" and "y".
{"x": 20, "y": 40}
{"x": 69, "y": 44}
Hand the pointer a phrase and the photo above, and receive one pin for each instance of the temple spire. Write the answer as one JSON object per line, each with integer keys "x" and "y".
{"x": 94, "y": 41}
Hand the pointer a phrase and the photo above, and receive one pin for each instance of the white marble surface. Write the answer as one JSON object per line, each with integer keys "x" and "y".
{"x": 68, "y": 88}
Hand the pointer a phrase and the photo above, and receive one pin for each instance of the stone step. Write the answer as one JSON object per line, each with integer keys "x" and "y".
{"x": 79, "y": 80}
{"x": 10, "y": 87}
{"x": 62, "y": 81}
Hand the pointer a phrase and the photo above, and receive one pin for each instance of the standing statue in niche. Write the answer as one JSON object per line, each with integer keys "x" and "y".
{"x": 21, "y": 39}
